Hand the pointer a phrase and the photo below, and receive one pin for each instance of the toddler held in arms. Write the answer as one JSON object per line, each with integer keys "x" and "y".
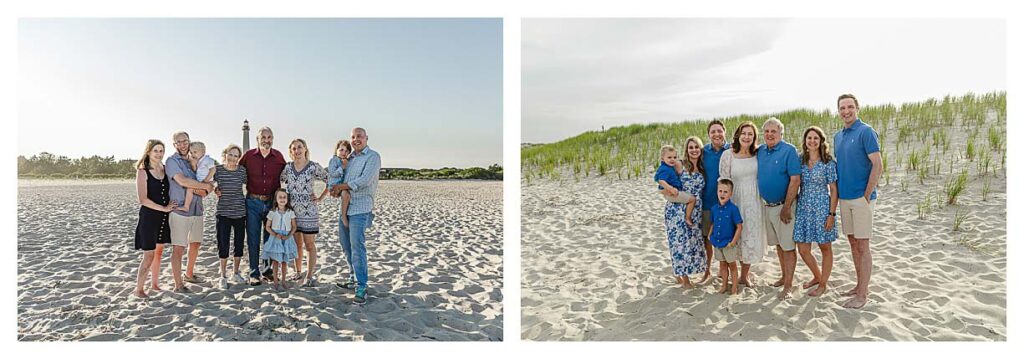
{"x": 336, "y": 174}
{"x": 668, "y": 179}
{"x": 204, "y": 166}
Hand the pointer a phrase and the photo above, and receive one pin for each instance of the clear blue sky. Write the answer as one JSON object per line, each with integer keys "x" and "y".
{"x": 428, "y": 91}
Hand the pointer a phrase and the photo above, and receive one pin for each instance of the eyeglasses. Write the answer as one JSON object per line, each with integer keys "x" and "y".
{"x": 181, "y": 142}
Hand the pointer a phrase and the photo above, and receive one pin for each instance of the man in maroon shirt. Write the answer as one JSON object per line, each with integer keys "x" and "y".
{"x": 263, "y": 166}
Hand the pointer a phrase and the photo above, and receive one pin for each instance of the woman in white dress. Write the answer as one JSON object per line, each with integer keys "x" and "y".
{"x": 740, "y": 165}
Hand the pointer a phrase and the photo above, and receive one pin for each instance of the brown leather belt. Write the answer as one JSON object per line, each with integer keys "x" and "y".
{"x": 259, "y": 197}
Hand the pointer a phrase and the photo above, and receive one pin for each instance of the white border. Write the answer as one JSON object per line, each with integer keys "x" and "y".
{"x": 512, "y": 12}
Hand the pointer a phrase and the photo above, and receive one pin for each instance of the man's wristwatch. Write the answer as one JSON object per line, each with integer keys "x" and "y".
{"x": 833, "y": 214}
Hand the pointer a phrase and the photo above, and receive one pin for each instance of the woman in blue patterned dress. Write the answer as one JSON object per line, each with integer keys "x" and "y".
{"x": 297, "y": 178}
{"x": 816, "y": 208}
{"x": 685, "y": 242}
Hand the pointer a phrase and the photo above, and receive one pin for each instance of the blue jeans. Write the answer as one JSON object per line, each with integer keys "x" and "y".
{"x": 255, "y": 222}
{"x": 353, "y": 242}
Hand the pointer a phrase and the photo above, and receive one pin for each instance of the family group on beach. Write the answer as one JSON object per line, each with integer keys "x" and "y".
{"x": 278, "y": 202}
{"x": 744, "y": 196}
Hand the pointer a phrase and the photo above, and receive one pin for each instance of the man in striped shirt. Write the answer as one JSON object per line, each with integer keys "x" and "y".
{"x": 361, "y": 178}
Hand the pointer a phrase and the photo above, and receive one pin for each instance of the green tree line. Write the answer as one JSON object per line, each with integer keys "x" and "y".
{"x": 48, "y": 165}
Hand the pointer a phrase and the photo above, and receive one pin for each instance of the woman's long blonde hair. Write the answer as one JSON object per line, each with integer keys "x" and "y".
{"x": 143, "y": 163}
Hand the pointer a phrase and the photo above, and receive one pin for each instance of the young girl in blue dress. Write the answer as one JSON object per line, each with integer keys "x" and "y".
{"x": 280, "y": 248}
{"x": 816, "y": 208}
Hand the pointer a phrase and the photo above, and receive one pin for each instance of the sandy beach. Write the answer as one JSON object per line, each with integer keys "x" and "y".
{"x": 596, "y": 267}
{"x": 434, "y": 253}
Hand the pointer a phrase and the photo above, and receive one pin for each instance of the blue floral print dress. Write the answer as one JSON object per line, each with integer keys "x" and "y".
{"x": 813, "y": 204}
{"x": 685, "y": 243}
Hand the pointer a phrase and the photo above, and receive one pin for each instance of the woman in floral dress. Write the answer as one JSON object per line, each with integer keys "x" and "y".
{"x": 740, "y": 165}
{"x": 297, "y": 178}
{"x": 816, "y": 208}
{"x": 685, "y": 242}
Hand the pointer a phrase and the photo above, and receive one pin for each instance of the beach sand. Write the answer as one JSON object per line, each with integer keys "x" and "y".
{"x": 434, "y": 253}
{"x": 595, "y": 266}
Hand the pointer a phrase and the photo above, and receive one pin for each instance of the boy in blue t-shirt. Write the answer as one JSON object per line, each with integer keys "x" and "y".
{"x": 726, "y": 226}
{"x": 668, "y": 179}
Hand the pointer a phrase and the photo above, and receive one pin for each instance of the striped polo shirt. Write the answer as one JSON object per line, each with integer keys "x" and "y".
{"x": 232, "y": 201}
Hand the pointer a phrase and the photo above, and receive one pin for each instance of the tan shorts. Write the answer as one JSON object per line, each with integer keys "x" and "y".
{"x": 681, "y": 197}
{"x": 185, "y": 230}
{"x": 857, "y": 217}
{"x": 728, "y": 254}
{"x": 779, "y": 234}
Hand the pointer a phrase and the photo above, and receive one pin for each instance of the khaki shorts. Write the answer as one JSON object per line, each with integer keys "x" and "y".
{"x": 779, "y": 234}
{"x": 728, "y": 254}
{"x": 681, "y": 197}
{"x": 857, "y": 217}
{"x": 185, "y": 230}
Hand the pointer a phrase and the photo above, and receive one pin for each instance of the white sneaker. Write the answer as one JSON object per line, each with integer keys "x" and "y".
{"x": 239, "y": 279}
{"x": 223, "y": 282}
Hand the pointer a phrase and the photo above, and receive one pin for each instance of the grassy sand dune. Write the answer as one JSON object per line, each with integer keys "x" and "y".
{"x": 595, "y": 258}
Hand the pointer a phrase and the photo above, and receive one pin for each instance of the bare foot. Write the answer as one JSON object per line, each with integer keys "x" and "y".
{"x": 744, "y": 282}
{"x": 706, "y": 278}
{"x": 156, "y": 288}
{"x": 778, "y": 283}
{"x": 855, "y": 302}
{"x": 141, "y": 294}
{"x": 811, "y": 283}
{"x": 817, "y": 291}
{"x": 784, "y": 294}
{"x": 735, "y": 289}
{"x": 850, "y": 293}
{"x": 724, "y": 289}
{"x": 679, "y": 280}
{"x": 687, "y": 285}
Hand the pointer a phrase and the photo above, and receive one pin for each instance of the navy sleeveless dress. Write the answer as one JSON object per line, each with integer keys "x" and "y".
{"x": 153, "y": 227}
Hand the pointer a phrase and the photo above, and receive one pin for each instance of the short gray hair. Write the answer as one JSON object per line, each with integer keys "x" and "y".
{"x": 776, "y": 122}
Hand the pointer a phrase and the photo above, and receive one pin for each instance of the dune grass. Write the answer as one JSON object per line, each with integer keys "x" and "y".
{"x": 631, "y": 152}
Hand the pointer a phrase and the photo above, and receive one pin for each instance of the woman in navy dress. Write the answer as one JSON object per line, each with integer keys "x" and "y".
{"x": 816, "y": 208}
{"x": 151, "y": 184}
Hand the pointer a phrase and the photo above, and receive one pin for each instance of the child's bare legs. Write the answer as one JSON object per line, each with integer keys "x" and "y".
{"x": 826, "y": 269}
{"x": 155, "y": 269}
{"x": 723, "y": 271}
{"x": 346, "y": 197}
{"x": 805, "y": 253}
{"x": 188, "y": 200}
{"x": 283, "y": 278}
{"x": 735, "y": 282}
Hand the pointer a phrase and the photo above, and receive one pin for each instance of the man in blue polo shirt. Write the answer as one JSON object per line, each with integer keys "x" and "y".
{"x": 858, "y": 166}
{"x": 778, "y": 180}
{"x": 712, "y": 157}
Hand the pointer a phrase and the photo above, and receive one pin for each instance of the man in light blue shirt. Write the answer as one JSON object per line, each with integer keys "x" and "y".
{"x": 778, "y": 180}
{"x": 858, "y": 166}
{"x": 361, "y": 177}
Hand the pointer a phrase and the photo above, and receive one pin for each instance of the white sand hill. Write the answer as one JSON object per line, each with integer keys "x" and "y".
{"x": 435, "y": 262}
{"x": 596, "y": 267}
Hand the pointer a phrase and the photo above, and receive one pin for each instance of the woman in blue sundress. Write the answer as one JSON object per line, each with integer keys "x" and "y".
{"x": 685, "y": 242}
{"x": 816, "y": 208}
